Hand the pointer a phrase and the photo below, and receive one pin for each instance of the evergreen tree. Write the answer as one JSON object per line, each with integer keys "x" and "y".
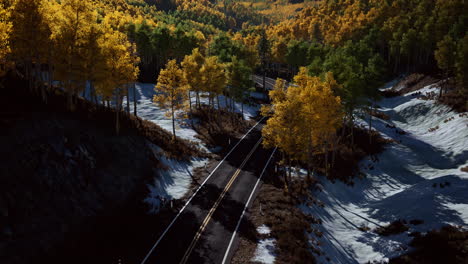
{"x": 239, "y": 80}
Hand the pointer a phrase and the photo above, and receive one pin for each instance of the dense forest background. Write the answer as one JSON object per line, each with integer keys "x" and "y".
{"x": 362, "y": 42}
{"x": 350, "y": 47}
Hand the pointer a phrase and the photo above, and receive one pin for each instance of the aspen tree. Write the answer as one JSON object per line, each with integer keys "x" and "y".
{"x": 305, "y": 118}
{"x": 5, "y": 28}
{"x": 279, "y": 50}
{"x": 191, "y": 65}
{"x": 119, "y": 70}
{"x": 94, "y": 63}
{"x": 278, "y": 94}
{"x": 282, "y": 128}
{"x": 74, "y": 25}
{"x": 251, "y": 44}
{"x": 171, "y": 90}
{"x": 213, "y": 77}
{"x": 29, "y": 37}
{"x": 53, "y": 14}
{"x": 321, "y": 114}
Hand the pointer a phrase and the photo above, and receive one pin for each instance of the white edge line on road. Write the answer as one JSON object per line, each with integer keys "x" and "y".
{"x": 218, "y": 201}
{"x": 268, "y": 80}
{"x": 245, "y": 208}
{"x": 195, "y": 193}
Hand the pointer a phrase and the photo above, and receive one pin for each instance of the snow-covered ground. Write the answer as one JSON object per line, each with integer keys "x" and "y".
{"x": 174, "y": 182}
{"x": 265, "y": 252}
{"x": 405, "y": 183}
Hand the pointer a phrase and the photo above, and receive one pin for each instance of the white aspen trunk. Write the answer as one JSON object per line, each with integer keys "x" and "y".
{"x": 173, "y": 122}
{"x": 128, "y": 99}
{"x": 134, "y": 100}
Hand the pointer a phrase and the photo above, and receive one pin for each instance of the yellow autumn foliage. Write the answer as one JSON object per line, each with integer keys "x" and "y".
{"x": 305, "y": 117}
{"x": 171, "y": 89}
{"x": 5, "y": 28}
{"x": 331, "y": 23}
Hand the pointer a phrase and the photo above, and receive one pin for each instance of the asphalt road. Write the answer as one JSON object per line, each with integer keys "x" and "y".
{"x": 269, "y": 82}
{"x": 202, "y": 232}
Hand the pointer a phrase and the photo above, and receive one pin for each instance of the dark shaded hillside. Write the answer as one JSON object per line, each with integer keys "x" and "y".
{"x": 60, "y": 169}
{"x": 20, "y": 104}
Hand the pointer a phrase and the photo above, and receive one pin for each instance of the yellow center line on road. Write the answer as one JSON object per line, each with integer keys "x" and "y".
{"x": 215, "y": 206}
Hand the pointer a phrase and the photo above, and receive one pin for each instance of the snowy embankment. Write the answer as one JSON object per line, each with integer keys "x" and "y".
{"x": 265, "y": 252}
{"x": 174, "y": 182}
{"x": 417, "y": 177}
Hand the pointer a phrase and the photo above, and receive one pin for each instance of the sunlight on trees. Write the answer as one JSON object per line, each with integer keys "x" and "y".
{"x": 5, "y": 27}
{"x": 213, "y": 78}
{"x": 171, "y": 90}
{"x": 192, "y": 65}
{"x": 305, "y": 118}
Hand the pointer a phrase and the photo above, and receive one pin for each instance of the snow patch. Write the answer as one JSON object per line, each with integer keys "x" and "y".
{"x": 265, "y": 252}
{"x": 148, "y": 110}
{"x": 172, "y": 183}
{"x": 263, "y": 230}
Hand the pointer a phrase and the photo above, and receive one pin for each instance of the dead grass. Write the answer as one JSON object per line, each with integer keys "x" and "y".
{"x": 416, "y": 81}
{"x": 453, "y": 96}
{"x": 395, "y": 227}
{"x": 464, "y": 169}
{"x": 379, "y": 114}
{"x": 288, "y": 225}
{"x": 456, "y": 100}
{"x": 277, "y": 208}
{"x": 411, "y": 83}
{"x": 215, "y": 127}
{"x": 447, "y": 245}
{"x": 364, "y": 228}
{"x": 350, "y": 152}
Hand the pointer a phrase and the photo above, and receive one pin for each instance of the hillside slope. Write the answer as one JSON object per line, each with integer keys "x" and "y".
{"x": 60, "y": 170}
{"x": 418, "y": 177}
